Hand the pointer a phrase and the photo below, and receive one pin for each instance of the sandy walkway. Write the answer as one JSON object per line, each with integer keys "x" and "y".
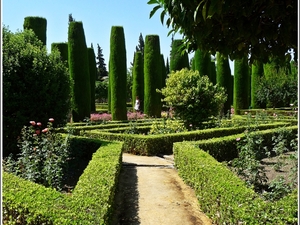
{"x": 152, "y": 193}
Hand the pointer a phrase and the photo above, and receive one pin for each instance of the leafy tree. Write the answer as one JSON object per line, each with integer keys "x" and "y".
{"x": 101, "y": 66}
{"x": 79, "y": 72}
{"x": 101, "y": 91}
{"x": 36, "y": 85}
{"x": 235, "y": 28}
{"x": 193, "y": 97}
{"x": 276, "y": 88}
{"x": 118, "y": 74}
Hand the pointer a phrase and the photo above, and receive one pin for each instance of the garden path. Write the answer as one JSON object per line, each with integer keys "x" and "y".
{"x": 151, "y": 193}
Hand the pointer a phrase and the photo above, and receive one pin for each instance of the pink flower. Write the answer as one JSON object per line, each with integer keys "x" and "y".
{"x": 238, "y": 139}
{"x": 32, "y": 123}
{"x": 37, "y": 132}
{"x": 39, "y": 123}
{"x": 51, "y": 120}
{"x": 34, "y": 135}
{"x": 45, "y": 130}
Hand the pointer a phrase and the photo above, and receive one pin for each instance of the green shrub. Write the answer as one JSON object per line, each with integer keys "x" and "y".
{"x": 79, "y": 72}
{"x": 38, "y": 25}
{"x": 117, "y": 74}
{"x": 167, "y": 126}
{"x": 29, "y": 75}
{"x": 193, "y": 97}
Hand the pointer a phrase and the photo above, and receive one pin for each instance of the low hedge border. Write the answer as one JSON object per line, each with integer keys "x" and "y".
{"x": 222, "y": 195}
{"x": 90, "y": 203}
{"x": 163, "y": 143}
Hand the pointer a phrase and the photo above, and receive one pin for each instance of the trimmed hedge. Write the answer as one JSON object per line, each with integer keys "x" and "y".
{"x": 117, "y": 74}
{"x": 38, "y": 25}
{"x": 223, "y": 196}
{"x": 79, "y": 72}
{"x": 163, "y": 144}
{"x": 90, "y": 203}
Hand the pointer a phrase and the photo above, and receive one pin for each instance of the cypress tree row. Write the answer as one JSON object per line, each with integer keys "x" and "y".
{"x": 63, "y": 49}
{"x": 152, "y": 76}
{"x": 202, "y": 62}
{"x": 93, "y": 74}
{"x": 178, "y": 60}
{"x": 241, "y": 74}
{"x": 223, "y": 79}
{"x": 108, "y": 89}
{"x": 138, "y": 79}
{"x": 38, "y": 25}
{"x": 118, "y": 74}
{"x": 79, "y": 72}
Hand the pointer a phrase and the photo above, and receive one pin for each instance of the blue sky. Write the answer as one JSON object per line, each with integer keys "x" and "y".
{"x": 97, "y": 16}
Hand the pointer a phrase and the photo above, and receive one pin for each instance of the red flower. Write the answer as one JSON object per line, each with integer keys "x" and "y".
{"x": 32, "y": 123}
{"x": 38, "y": 131}
{"x": 45, "y": 130}
{"x": 51, "y": 120}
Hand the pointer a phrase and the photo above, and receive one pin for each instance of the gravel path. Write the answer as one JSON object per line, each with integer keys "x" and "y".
{"x": 152, "y": 193}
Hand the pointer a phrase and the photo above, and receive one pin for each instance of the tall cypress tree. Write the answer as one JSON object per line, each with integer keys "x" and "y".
{"x": 257, "y": 73}
{"x": 79, "y": 72}
{"x": 63, "y": 49}
{"x": 241, "y": 79}
{"x": 101, "y": 66}
{"x": 202, "y": 62}
{"x": 118, "y": 74}
{"x": 152, "y": 76}
{"x": 38, "y": 25}
{"x": 178, "y": 60}
{"x": 93, "y": 74}
{"x": 163, "y": 71}
{"x": 223, "y": 79}
{"x": 167, "y": 66}
{"x": 213, "y": 72}
{"x": 138, "y": 79}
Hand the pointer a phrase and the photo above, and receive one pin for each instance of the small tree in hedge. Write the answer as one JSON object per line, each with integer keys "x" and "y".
{"x": 193, "y": 97}
{"x": 36, "y": 85}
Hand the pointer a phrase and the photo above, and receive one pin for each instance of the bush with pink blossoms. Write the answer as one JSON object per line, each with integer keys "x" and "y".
{"x": 97, "y": 117}
{"x": 43, "y": 155}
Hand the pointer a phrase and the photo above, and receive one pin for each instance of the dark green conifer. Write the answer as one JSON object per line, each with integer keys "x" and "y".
{"x": 38, "y": 25}
{"x": 79, "y": 72}
{"x": 178, "y": 60}
{"x": 138, "y": 79}
{"x": 118, "y": 74}
{"x": 93, "y": 75}
{"x": 152, "y": 76}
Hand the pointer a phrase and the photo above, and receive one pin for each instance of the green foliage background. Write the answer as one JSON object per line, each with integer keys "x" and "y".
{"x": 36, "y": 85}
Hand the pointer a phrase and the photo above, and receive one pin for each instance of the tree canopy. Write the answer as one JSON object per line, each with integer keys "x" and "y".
{"x": 235, "y": 28}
